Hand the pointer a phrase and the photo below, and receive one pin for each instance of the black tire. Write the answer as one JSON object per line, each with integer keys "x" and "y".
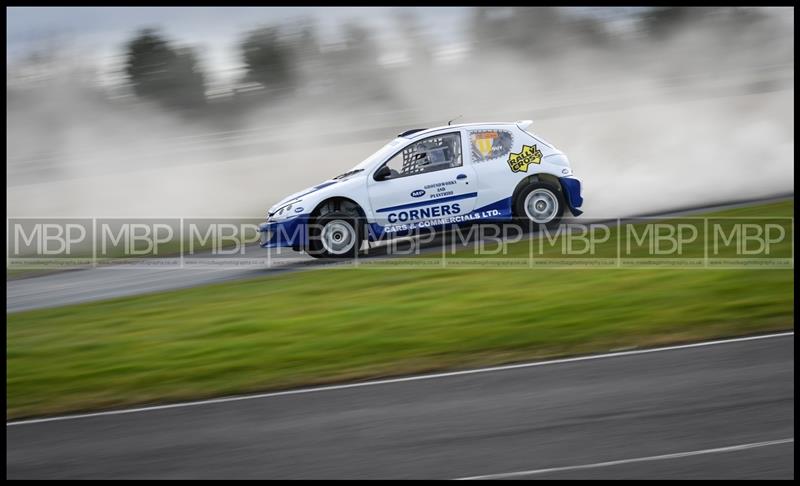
{"x": 322, "y": 239}
{"x": 550, "y": 194}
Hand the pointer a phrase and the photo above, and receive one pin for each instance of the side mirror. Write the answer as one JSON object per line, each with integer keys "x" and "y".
{"x": 383, "y": 173}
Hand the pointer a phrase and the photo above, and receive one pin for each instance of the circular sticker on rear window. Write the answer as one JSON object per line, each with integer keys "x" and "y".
{"x": 490, "y": 144}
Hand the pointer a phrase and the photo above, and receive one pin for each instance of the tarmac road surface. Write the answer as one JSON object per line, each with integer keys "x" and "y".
{"x": 723, "y": 409}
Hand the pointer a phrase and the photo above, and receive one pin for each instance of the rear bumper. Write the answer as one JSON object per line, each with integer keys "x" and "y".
{"x": 572, "y": 190}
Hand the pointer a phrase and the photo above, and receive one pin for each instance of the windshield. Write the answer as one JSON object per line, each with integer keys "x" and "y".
{"x": 381, "y": 154}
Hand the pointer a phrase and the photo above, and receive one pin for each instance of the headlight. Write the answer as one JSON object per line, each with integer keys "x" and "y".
{"x": 284, "y": 211}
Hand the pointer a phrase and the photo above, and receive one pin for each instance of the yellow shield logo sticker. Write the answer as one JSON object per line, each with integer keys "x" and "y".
{"x": 484, "y": 142}
{"x": 528, "y": 155}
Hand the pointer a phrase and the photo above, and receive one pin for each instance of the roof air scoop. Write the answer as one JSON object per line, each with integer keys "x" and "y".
{"x": 523, "y": 124}
{"x": 410, "y": 132}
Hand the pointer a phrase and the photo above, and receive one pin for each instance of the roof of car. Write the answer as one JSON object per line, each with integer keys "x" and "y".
{"x": 419, "y": 132}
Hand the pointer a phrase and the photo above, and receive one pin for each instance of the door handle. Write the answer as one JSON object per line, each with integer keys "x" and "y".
{"x": 461, "y": 176}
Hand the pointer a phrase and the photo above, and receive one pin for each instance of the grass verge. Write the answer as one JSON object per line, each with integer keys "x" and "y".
{"x": 343, "y": 324}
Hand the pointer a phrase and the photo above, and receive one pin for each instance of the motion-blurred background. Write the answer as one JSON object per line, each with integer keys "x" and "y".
{"x": 222, "y": 111}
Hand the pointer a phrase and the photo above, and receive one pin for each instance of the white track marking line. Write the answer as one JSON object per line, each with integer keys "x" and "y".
{"x": 399, "y": 380}
{"x": 676, "y": 455}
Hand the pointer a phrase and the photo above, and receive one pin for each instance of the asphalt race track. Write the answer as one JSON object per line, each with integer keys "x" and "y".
{"x": 76, "y": 286}
{"x": 723, "y": 409}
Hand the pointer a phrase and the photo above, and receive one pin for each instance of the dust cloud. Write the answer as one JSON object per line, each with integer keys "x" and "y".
{"x": 703, "y": 116}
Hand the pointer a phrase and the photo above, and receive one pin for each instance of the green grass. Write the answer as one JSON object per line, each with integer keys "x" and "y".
{"x": 342, "y": 324}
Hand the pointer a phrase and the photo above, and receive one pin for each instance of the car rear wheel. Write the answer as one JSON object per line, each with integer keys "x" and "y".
{"x": 334, "y": 235}
{"x": 541, "y": 204}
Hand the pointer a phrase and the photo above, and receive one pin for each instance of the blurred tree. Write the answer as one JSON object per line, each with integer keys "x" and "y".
{"x": 268, "y": 58}
{"x": 415, "y": 39}
{"x": 478, "y": 25}
{"x": 533, "y": 29}
{"x": 592, "y": 32}
{"x": 738, "y": 18}
{"x": 357, "y": 65}
{"x": 359, "y": 44}
{"x": 307, "y": 45}
{"x": 158, "y": 71}
{"x": 661, "y": 22}
{"x": 306, "y": 54}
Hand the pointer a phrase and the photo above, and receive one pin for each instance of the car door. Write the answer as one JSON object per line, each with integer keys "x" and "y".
{"x": 430, "y": 180}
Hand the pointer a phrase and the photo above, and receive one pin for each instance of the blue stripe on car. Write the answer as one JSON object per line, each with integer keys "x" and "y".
{"x": 503, "y": 205}
{"x": 315, "y": 189}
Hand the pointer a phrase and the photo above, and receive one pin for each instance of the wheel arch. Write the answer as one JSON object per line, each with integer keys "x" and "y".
{"x": 337, "y": 203}
{"x": 540, "y": 177}
{"x": 329, "y": 205}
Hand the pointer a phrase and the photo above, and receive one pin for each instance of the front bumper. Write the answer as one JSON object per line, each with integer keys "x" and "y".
{"x": 290, "y": 232}
{"x": 572, "y": 190}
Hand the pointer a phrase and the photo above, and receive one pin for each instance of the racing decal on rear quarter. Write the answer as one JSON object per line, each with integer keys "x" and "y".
{"x": 490, "y": 144}
{"x": 418, "y": 193}
{"x": 528, "y": 155}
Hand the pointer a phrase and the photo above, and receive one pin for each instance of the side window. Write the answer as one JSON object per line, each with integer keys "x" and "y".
{"x": 428, "y": 155}
{"x": 490, "y": 144}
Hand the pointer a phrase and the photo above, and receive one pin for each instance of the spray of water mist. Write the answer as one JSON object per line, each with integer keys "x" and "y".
{"x": 686, "y": 121}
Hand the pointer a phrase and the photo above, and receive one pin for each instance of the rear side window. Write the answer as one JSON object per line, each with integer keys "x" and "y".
{"x": 490, "y": 144}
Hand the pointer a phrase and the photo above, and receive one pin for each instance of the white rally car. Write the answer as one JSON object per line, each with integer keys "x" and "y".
{"x": 429, "y": 178}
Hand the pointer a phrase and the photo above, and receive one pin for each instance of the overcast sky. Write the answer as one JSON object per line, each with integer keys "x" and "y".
{"x": 28, "y": 24}
{"x": 98, "y": 34}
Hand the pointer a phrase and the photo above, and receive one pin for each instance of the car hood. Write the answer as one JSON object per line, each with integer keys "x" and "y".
{"x": 317, "y": 190}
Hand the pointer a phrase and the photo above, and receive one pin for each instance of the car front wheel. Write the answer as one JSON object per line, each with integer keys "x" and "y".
{"x": 334, "y": 235}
